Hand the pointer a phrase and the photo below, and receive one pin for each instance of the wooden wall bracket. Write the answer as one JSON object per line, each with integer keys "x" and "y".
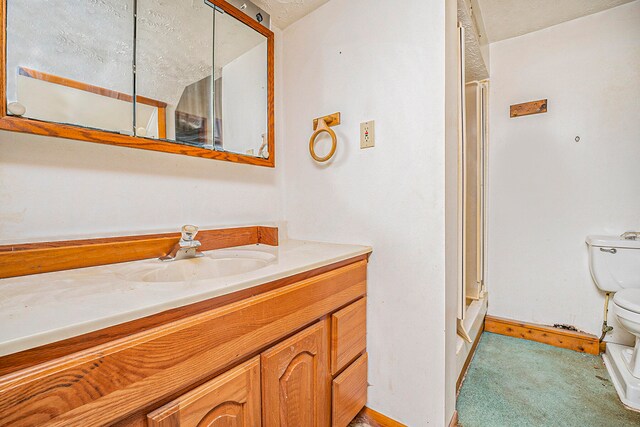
{"x": 330, "y": 120}
{"x": 528, "y": 108}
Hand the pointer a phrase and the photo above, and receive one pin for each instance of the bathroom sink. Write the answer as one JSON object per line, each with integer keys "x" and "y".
{"x": 212, "y": 265}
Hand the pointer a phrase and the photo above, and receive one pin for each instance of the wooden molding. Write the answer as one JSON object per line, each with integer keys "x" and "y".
{"x": 63, "y": 81}
{"x": 469, "y": 358}
{"x": 34, "y": 258}
{"x": 37, "y": 127}
{"x": 376, "y": 419}
{"x": 268, "y": 235}
{"x": 454, "y": 420}
{"x": 528, "y": 108}
{"x": 571, "y": 340}
{"x": 162, "y": 122}
{"x": 79, "y": 133}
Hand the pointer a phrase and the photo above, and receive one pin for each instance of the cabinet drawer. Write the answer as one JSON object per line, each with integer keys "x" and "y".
{"x": 349, "y": 393}
{"x": 232, "y": 398}
{"x": 348, "y": 334}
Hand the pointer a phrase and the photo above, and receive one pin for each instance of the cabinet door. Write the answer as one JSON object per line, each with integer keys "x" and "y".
{"x": 230, "y": 400}
{"x": 296, "y": 380}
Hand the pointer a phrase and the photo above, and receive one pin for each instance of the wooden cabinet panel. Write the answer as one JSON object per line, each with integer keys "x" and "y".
{"x": 348, "y": 334}
{"x": 230, "y": 400}
{"x": 295, "y": 380}
{"x": 112, "y": 381}
{"x": 349, "y": 393}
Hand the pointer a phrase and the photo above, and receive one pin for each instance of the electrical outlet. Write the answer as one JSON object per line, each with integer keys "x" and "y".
{"x": 367, "y": 134}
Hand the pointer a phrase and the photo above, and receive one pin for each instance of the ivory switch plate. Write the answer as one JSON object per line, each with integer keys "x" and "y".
{"x": 367, "y": 134}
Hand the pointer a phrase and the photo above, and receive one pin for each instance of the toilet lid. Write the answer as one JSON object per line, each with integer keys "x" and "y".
{"x": 628, "y": 299}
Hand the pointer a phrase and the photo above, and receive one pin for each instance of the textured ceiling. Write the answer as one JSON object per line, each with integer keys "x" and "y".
{"x": 504, "y": 19}
{"x": 92, "y": 41}
{"x": 286, "y": 12}
{"x": 475, "y": 67}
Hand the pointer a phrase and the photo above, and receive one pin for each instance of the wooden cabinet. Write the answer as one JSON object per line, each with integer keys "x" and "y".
{"x": 230, "y": 400}
{"x": 296, "y": 380}
{"x": 235, "y": 361}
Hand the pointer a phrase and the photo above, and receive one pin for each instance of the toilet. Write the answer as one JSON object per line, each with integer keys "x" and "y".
{"x": 614, "y": 263}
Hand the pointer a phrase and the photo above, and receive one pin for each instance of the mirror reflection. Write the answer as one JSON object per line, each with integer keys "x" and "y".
{"x": 200, "y": 74}
{"x": 240, "y": 75}
{"x": 69, "y": 61}
{"x": 175, "y": 54}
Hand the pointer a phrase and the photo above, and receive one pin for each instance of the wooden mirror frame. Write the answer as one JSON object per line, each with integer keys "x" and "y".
{"x": 38, "y": 127}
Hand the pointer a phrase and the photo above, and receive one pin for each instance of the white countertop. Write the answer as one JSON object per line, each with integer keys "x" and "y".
{"x": 45, "y": 308}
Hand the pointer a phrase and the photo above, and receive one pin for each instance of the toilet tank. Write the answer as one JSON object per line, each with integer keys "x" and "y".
{"x": 614, "y": 262}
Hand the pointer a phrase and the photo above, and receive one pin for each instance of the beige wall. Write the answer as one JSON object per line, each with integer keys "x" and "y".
{"x": 380, "y": 63}
{"x": 55, "y": 188}
{"x": 547, "y": 192}
{"x": 384, "y": 64}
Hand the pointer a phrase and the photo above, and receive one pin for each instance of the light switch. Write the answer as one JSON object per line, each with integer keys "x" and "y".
{"x": 367, "y": 134}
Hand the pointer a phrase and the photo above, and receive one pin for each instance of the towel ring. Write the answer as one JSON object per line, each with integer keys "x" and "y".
{"x": 322, "y": 127}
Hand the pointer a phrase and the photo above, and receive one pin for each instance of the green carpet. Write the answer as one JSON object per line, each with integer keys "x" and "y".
{"x": 518, "y": 383}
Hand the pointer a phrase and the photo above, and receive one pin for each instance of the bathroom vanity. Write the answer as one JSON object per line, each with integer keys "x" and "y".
{"x": 282, "y": 345}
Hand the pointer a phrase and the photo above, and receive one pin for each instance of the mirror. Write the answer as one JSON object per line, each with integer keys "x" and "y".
{"x": 174, "y": 52}
{"x": 202, "y": 84}
{"x": 240, "y": 81}
{"x": 70, "y": 62}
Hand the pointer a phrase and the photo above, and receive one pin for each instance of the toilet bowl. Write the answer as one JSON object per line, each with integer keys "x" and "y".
{"x": 614, "y": 263}
{"x": 626, "y": 308}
